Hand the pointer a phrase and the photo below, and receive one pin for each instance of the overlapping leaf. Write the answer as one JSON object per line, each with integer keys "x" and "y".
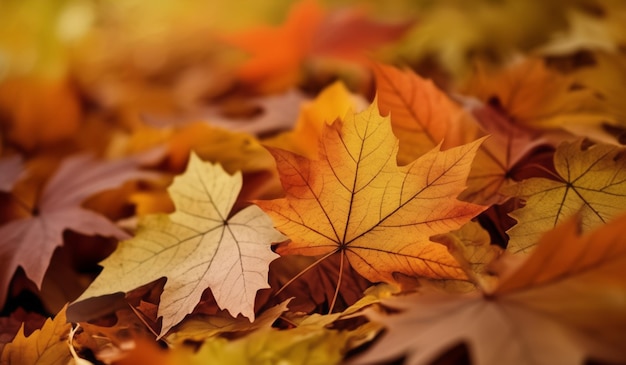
{"x": 10, "y": 171}
{"x": 200, "y": 245}
{"x": 355, "y": 201}
{"x": 45, "y": 346}
{"x": 29, "y": 242}
{"x": 422, "y": 116}
{"x": 492, "y": 170}
{"x": 559, "y": 306}
{"x": 590, "y": 180}
{"x": 536, "y": 96}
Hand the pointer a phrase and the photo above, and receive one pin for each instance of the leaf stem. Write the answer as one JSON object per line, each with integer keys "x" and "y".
{"x": 332, "y": 304}
{"x": 140, "y": 315}
{"x": 304, "y": 271}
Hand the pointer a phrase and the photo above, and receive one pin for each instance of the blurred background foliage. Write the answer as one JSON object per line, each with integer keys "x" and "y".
{"x": 60, "y": 58}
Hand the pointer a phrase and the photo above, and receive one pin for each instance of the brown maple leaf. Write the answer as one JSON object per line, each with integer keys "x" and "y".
{"x": 561, "y": 305}
{"x": 30, "y": 242}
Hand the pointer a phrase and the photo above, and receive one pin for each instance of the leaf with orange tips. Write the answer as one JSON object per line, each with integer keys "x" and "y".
{"x": 422, "y": 116}
{"x": 354, "y": 201}
{"x": 335, "y": 101}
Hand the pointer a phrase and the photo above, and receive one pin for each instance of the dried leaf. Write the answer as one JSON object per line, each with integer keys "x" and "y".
{"x": 334, "y": 102}
{"x": 559, "y": 306}
{"x": 45, "y": 346}
{"x": 590, "y": 180}
{"x": 10, "y": 171}
{"x": 198, "y": 246}
{"x": 30, "y": 242}
{"x": 422, "y": 116}
{"x": 356, "y": 202}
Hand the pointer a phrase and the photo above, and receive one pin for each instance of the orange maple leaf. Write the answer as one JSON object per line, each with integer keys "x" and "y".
{"x": 422, "y": 116}
{"x": 355, "y": 201}
{"x": 278, "y": 51}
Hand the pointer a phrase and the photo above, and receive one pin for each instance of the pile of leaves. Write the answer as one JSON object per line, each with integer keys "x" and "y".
{"x": 301, "y": 182}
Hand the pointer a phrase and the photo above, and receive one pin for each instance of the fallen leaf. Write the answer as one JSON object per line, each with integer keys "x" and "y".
{"x": 199, "y": 328}
{"x": 198, "y": 246}
{"x": 422, "y": 116}
{"x": 591, "y": 180}
{"x": 493, "y": 168}
{"x": 45, "y": 346}
{"x": 334, "y": 102}
{"x": 10, "y": 171}
{"x": 560, "y": 306}
{"x": 277, "y": 112}
{"x": 39, "y": 111}
{"x": 11, "y": 325}
{"x": 356, "y": 202}
{"x": 315, "y": 290}
{"x": 235, "y": 151}
{"x": 277, "y": 52}
{"x": 30, "y": 242}
{"x": 350, "y": 34}
{"x": 538, "y": 97}
{"x": 472, "y": 248}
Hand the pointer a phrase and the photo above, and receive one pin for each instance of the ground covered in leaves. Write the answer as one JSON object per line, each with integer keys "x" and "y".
{"x": 313, "y": 182}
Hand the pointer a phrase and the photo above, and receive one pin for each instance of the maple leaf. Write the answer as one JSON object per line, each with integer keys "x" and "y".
{"x": 526, "y": 309}
{"x": 496, "y": 159}
{"x": 356, "y": 202}
{"x": 591, "y": 180}
{"x": 45, "y": 346}
{"x": 30, "y": 242}
{"x": 10, "y": 171}
{"x": 311, "y": 341}
{"x": 201, "y": 327}
{"x": 278, "y": 53}
{"x": 197, "y": 246}
{"x": 39, "y": 110}
{"x": 472, "y": 248}
{"x": 277, "y": 112}
{"x": 335, "y": 101}
{"x": 536, "y": 96}
{"x": 422, "y": 116}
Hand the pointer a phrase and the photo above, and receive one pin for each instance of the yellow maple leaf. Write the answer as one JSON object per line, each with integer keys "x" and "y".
{"x": 200, "y": 245}
{"x": 590, "y": 180}
{"x": 333, "y": 102}
{"x": 45, "y": 346}
{"x": 356, "y": 201}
